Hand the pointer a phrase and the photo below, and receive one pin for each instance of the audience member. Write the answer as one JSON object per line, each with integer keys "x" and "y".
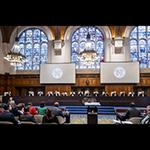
{"x": 131, "y": 112}
{"x": 49, "y": 118}
{"x": 27, "y": 116}
{"x": 11, "y": 103}
{"x": 32, "y": 109}
{"x": 60, "y": 111}
{"x": 6, "y": 115}
{"x": 146, "y": 118}
{"x": 42, "y": 109}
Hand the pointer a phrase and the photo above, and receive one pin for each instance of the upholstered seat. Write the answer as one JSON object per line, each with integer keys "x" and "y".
{"x": 135, "y": 120}
{"x": 38, "y": 118}
{"x": 5, "y": 122}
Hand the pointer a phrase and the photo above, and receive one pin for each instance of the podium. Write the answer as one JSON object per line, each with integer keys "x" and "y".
{"x": 92, "y": 112}
{"x": 92, "y": 118}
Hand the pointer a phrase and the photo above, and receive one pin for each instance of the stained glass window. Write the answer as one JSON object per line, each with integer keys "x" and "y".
{"x": 33, "y": 44}
{"x": 78, "y": 40}
{"x": 140, "y": 45}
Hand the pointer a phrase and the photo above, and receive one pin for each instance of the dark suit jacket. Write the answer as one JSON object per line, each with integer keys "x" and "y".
{"x": 27, "y": 118}
{"x": 8, "y": 116}
{"x": 132, "y": 112}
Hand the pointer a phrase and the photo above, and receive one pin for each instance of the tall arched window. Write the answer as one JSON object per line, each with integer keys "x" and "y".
{"x": 33, "y": 44}
{"x": 140, "y": 45}
{"x": 78, "y": 40}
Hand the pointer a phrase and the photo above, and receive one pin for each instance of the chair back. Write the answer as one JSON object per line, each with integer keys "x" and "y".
{"x": 38, "y": 118}
{"x": 135, "y": 120}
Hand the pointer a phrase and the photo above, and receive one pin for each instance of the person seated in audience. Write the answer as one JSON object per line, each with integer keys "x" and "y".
{"x": 11, "y": 102}
{"x": 146, "y": 118}
{"x": 27, "y": 116}
{"x": 131, "y": 94}
{"x": 42, "y": 109}
{"x": 57, "y": 93}
{"x": 122, "y": 93}
{"x": 50, "y": 93}
{"x": 131, "y": 112}
{"x": 80, "y": 93}
{"x": 60, "y": 111}
{"x": 56, "y": 111}
{"x": 33, "y": 111}
{"x": 14, "y": 109}
{"x": 72, "y": 93}
{"x": 31, "y": 93}
{"x": 95, "y": 93}
{"x": 6, "y": 115}
{"x": 49, "y": 118}
{"x": 21, "y": 107}
{"x": 87, "y": 93}
{"x": 40, "y": 93}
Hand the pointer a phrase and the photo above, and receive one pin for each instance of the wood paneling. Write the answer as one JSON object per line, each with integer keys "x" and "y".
{"x": 118, "y": 88}
{"x": 14, "y": 82}
{"x": 60, "y": 88}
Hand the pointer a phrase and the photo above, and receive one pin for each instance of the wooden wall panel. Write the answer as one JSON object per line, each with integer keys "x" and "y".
{"x": 14, "y": 82}
{"x": 118, "y": 88}
{"x": 60, "y": 88}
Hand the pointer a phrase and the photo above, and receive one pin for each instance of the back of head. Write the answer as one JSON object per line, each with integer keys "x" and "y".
{"x": 5, "y": 106}
{"x": 42, "y": 104}
{"x": 132, "y": 104}
{"x": 56, "y": 104}
{"x": 29, "y": 104}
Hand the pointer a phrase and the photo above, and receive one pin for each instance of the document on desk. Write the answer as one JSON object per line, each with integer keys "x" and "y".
{"x": 92, "y": 104}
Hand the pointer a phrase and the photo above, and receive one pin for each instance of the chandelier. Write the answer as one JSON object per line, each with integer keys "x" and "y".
{"x": 89, "y": 55}
{"x": 14, "y": 56}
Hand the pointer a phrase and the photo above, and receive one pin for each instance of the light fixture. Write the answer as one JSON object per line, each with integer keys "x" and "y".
{"x": 89, "y": 55}
{"x": 14, "y": 56}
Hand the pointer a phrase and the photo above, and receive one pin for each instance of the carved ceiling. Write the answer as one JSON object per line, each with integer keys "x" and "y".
{"x": 58, "y": 31}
